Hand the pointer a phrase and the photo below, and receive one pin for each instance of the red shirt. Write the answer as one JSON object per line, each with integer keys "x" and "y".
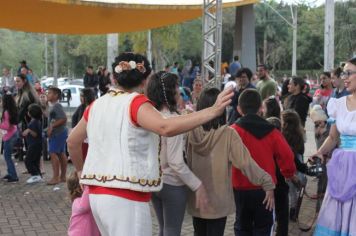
{"x": 124, "y": 193}
{"x": 271, "y": 149}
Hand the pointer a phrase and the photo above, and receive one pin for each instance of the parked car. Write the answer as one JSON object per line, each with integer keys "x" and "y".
{"x": 77, "y": 82}
{"x": 74, "y": 96}
{"x": 48, "y": 81}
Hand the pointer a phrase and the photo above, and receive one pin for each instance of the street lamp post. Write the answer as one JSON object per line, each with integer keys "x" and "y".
{"x": 294, "y": 27}
{"x": 329, "y": 35}
{"x": 46, "y": 53}
{"x": 55, "y": 60}
{"x": 112, "y": 49}
{"x": 149, "y": 46}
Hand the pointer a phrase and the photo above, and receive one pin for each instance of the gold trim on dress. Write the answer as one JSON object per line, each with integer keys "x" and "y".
{"x": 132, "y": 180}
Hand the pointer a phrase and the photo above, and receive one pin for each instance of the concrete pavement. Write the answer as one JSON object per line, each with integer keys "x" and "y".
{"x": 45, "y": 210}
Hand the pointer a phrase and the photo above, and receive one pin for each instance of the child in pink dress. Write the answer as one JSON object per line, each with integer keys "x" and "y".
{"x": 82, "y": 221}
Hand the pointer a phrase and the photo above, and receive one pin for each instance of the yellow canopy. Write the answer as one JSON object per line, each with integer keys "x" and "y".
{"x": 99, "y": 16}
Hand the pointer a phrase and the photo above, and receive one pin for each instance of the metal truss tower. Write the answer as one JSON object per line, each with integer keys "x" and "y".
{"x": 212, "y": 37}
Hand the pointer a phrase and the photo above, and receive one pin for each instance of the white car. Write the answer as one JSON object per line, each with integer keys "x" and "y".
{"x": 75, "y": 95}
{"x": 48, "y": 81}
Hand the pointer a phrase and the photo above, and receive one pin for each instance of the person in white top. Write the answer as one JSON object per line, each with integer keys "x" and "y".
{"x": 122, "y": 165}
{"x": 7, "y": 82}
{"x": 169, "y": 203}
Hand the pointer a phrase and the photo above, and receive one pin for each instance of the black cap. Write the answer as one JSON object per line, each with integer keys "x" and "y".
{"x": 23, "y": 62}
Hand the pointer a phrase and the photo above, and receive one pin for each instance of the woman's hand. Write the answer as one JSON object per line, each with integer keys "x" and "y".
{"x": 223, "y": 100}
{"x": 318, "y": 154}
{"x": 25, "y": 132}
{"x": 49, "y": 130}
{"x": 201, "y": 199}
{"x": 149, "y": 118}
{"x": 269, "y": 200}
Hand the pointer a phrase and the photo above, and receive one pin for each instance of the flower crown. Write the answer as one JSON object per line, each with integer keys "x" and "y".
{"x": 131, "y": 65}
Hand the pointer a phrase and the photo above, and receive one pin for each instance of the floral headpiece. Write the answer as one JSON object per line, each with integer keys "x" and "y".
{"x": 131, "y": 65}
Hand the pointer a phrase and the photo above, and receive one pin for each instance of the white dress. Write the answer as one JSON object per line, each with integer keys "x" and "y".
{"x": 338, "y": 212}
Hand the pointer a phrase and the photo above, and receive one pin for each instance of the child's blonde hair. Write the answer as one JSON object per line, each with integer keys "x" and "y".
{"x": 73, "y": 185}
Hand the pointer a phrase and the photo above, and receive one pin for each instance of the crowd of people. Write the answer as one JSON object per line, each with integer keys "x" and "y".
{"x": 161, "y": 137}
{"x": 30, "y": 118}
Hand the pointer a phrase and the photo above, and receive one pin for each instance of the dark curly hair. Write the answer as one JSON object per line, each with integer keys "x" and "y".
{"x": 56, "y": 91}
{"x": 299, "y": 81}
{"x": 285, "y": 84}
{"x": 9, "y": 105}
{"x": 207, "y": 99}
{"x": 88, "y": 96}
{"x": 327, "y": 74}
{"x": 35, "y": 111}
{"x": 337, "y": 72}
{"x": 131, "y": 78}
{"x": 246, "y": 71}
{"x": 155, "y": 90}
{"x": 292, "y": 130}
{"x": 272, "y": 108}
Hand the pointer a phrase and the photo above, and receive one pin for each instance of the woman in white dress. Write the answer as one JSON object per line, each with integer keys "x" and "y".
{"x": 338, "y": 212}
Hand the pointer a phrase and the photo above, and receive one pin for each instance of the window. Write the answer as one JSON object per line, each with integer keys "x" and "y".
{"x": 73, "y": 90}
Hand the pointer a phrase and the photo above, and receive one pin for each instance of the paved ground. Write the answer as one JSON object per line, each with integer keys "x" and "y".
{"x": 43, "y": 210}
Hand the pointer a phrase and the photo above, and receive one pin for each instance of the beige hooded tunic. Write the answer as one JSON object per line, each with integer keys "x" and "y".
{"x": 210, "y": 156}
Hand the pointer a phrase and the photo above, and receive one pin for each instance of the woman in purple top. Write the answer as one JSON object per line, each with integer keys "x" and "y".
{"x": 338, "y": 212}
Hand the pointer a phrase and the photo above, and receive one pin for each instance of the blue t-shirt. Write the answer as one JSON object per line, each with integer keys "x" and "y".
{"x": 35, "y": 126}
{"x": 234, "y": 67}
{"x": 30, "y": 79}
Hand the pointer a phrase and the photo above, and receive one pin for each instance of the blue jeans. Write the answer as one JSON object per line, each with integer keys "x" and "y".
{"x": 8, "y": 145}
{"x": 169, "y": 205}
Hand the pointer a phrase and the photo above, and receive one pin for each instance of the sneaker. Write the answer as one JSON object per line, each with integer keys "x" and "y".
{"x": 6, "y": 177}
{"x": 34, "y": 179}
{"x": 13, "y": 180}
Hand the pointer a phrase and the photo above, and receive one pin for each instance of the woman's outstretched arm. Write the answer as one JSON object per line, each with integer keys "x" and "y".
{"x": 149, "y": 118}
